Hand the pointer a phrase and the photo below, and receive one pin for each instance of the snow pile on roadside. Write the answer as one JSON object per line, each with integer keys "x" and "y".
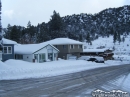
{"x": 3, "y": 66}
{"x": 17, "y": 69}
{"x": 21, "y": 69}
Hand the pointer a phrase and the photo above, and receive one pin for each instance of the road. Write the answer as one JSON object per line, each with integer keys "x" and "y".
{"x": 69, "y": 85}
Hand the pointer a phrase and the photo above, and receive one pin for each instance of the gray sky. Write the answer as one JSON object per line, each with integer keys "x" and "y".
{"x": 19, "y": 12}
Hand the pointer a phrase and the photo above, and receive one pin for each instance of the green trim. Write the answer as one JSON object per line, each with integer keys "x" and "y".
{"x": 46, "y": 46}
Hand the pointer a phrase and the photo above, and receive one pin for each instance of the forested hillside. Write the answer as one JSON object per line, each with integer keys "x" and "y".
{"x": 112, "y": 21}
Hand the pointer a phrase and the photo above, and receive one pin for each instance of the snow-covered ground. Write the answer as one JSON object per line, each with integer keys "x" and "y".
{"x": 119, "y": 83}
{"x": 122, "y": 50}
{"x": 17, "y": 69}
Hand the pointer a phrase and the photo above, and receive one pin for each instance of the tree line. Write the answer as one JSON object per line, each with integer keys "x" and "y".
{"x": 112, "y": 21}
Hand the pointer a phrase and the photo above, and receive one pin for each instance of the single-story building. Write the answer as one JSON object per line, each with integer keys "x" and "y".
{"x": 36, "y": 52}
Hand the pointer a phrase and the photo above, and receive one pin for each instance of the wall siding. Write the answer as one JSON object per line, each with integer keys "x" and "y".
{"x": 28, "y": 58}
{"x": 64, "y": 51}
{"x": 8, "y": 56}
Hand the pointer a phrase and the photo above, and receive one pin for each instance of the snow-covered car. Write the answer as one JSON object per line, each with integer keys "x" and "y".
{"x": 84, "y": 58}
{"x": 99, "y": 59}
{"x": 93, "y": 59}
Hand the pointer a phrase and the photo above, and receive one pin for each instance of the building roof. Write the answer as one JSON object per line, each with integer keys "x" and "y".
{"x": 7, "y": 41}
{"x": 29, "y": 48}
{"x": 94, "y": 50}
{"x": 62, "y": 41}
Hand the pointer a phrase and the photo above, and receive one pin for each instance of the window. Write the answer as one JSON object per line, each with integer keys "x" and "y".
{"x": 64, "y": 47}
{"x": 42, "y": 58}
{"x": 71, "y": 46}
{"x": 7, "y": 50}
{"x": 80, "y": 46}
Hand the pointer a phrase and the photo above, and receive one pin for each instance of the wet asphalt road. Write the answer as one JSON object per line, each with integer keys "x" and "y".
{"x": 69, "y": 85}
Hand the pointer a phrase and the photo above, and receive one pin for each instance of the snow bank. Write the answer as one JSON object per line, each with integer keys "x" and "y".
{"x": 21, "y": 69}
{"x": 17, "y": 69}
{"x": 3, "y": 66}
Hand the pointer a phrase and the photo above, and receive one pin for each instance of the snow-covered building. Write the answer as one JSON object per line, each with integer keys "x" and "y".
{"x": 67, "y": 47}
{"x": 7, "y": 51}
{"x": 36, "y": 52}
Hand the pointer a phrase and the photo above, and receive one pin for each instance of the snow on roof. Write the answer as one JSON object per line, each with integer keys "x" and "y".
{"x": 7, "y": 41}
{"x": 29, "y": 48}
{"x": 61, "y": 41}
{"x": 94, "y": 50}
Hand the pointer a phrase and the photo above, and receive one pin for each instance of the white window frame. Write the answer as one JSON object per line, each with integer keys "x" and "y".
{"x": 7, "y": 47}
{"x": 72, "y": 46}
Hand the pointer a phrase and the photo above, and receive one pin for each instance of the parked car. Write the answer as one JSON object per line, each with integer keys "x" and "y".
{"x": 99, "y": 60}
{"x": 92, "y": 59}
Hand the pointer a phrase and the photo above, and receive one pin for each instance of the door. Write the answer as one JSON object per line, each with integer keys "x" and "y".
{"x": 50, "y": 56}
{"x": 36, "y": 57}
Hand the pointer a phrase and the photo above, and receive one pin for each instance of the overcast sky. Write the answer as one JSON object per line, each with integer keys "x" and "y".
{"x": 19, "y": 12}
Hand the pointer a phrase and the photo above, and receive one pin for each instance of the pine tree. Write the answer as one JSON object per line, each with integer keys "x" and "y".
{"x": 7, "y": 32}
{"x": 14, "y": 34}
{"x": 113, "y": 48}
{"x": 90, "y": 43}
{"x": 43, "y": 33}
{"x": 123, "y": 39}
{"x": 119, "y": 37}
{"x": 88, "y": 40}
{"x": 81, "y": 37}
{"x": 56, "y": 25}
{"x": 29, "y": 24}
{"x": 115, "y": 37}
